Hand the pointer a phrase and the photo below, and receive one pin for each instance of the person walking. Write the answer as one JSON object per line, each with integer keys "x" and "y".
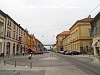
{"x": 23, "y": 53}
{"x": 31, "y": 53}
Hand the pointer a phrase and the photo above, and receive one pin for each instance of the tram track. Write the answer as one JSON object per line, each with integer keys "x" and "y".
{"x": 84, "y": 66}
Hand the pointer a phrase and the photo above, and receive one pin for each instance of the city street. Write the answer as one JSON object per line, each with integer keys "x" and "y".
{"x": 50, "y": 64}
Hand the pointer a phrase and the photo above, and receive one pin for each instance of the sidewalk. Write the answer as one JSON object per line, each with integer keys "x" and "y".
{"x": 69, "y": 69}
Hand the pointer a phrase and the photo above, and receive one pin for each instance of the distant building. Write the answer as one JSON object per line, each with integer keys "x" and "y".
{"x": 59, "y": 40}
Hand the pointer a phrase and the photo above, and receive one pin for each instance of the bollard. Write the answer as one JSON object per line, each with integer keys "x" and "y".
{"x": 94, "y": 56}
{"x": 13, "y": 55}
{"x": 3, "y": 57}
{"x": 15, "y": 63}
{"x": 4, "y": 62}
{"x": 19, "y": 55}
{"x": 83, "y": 54}
{"x": 8, "y": 56}
{"x": 30, "y": 65}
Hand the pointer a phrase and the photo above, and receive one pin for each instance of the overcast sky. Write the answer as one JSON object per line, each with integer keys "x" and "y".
{"x": 47, "y": 18}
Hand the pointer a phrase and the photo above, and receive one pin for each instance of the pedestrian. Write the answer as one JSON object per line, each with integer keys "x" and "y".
{"x": 30, "y": 56}
{"x": 17, "y": 53}
{"x": 23, "y": 53}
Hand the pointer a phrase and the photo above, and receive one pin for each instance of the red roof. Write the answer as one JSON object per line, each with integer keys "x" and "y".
{"x": 64, "y": 33}
{"x": 32, "y": 49}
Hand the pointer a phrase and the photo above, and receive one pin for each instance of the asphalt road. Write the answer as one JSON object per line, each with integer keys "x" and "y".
{"x": 83, "y": 63}
{"x": 57, "y": 60}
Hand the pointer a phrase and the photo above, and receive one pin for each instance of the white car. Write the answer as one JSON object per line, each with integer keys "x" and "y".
{"x": 61, "y": 52}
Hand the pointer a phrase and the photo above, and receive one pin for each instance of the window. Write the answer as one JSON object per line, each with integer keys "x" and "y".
{"x": 91, "y": 34}
{"x": 61, "y": 43}
{"x": 0, "y": 29}
{"x": 19, "y": 30}
{"x": 99, "y": 29}
{"x": 24, "y": 33}
{"x": 76, "y": 34}
{"x": 95, "y": 31}
{"x": 15, "y": 27}
{"x": 8, "y": 22}
{"x": 8, "y": 33}
{"x": 14, "y": 35}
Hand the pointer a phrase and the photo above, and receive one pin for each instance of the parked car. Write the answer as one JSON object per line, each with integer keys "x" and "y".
{"x": 74, "y": 53}
{"x": 64, "y": 52}
{"x": 67, "y": 52}
{"x": 61, "y": 52}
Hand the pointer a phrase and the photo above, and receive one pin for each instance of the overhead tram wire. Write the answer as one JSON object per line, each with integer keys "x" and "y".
{"x": 50, "y": 26}
{"x": 93, "y": 10}
{"x": 96, "y": 12}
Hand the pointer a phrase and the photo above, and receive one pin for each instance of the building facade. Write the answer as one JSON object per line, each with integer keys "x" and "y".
{"x": 2, "y": 32}
{"x": 14, "y": 36}
{"x": 95, "y": 33}
{"x": 66, "y": 42}
{"x": 59, "y": 40}
{"x": 79, "y": 37}
{"x": 30, "y": 42}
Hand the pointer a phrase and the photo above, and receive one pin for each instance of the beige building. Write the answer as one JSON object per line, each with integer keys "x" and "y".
{"x": 95, "y": 33}
{"x": 14, "y": 36}
{"x": 59, "y": 42}
{"x": 79, "y": 37}
{"x": 66, "y": 43}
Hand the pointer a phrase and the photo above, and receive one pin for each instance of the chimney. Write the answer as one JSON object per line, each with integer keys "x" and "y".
{"x": 89, "y": 16}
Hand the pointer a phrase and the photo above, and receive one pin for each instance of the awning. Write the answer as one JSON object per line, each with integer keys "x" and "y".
{"x": 32, "y": 49}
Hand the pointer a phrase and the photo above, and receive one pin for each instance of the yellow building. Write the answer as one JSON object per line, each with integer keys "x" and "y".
{"x": 59, "y": 38}
{"x": 80, "y": 39}
{"x": 30, "y": 42}
{"x": 66, "y": 42}
{"x": 2, "y": 31}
